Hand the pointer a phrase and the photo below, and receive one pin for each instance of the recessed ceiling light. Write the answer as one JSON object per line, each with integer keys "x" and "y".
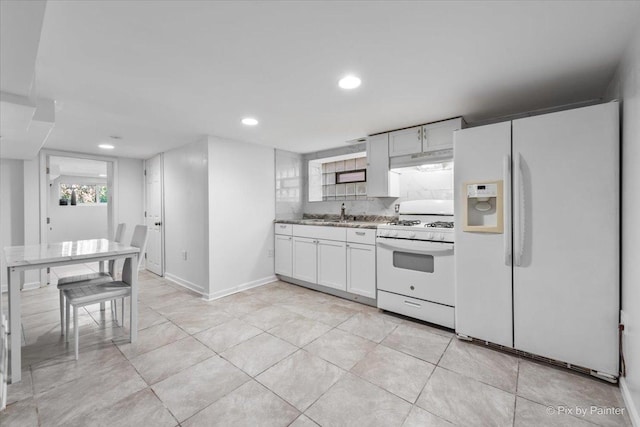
{"x": 106, "y": 146}
{"x": 249, "y": 121}
{"x": 102, "y": 175}
{"x": 349, "y": 82}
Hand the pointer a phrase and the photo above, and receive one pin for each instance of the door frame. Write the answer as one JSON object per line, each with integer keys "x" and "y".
{"x": 112, "y": 184}
{"x": 162, "y": 209}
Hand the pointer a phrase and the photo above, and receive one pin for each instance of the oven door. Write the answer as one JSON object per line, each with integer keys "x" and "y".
{"x": 415, "y": 268}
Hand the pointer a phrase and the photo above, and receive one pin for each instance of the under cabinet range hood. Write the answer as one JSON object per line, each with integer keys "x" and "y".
{"x": 424, "y": 158}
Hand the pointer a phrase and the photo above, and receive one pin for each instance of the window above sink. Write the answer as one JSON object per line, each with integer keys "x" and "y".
{"x": 338, "y": 178}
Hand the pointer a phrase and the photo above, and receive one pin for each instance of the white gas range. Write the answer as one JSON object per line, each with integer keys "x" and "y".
{"x": 415, "y": 264}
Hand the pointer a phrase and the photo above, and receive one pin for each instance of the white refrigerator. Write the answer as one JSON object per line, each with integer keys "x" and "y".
{"x": 544, "y": 278}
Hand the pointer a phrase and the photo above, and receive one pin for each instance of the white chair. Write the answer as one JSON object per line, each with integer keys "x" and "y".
{"x": 80, "y": 280}
{"x": 102, "y": 292}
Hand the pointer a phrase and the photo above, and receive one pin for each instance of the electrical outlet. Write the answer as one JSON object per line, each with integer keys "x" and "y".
{"x": 397, "y": 208}
{"x": 271, "y": 253}
{"x": 184, "y": 255}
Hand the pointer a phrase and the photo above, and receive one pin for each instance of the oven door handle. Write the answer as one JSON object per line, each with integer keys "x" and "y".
{"x": 420, "y": 248}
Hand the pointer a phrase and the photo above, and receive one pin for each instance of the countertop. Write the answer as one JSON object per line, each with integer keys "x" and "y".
{"x": 352, "y": 221}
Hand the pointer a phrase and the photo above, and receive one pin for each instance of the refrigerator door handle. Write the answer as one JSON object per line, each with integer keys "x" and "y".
{"x": 519, "y": 213}
{"x": 506, "y": 175}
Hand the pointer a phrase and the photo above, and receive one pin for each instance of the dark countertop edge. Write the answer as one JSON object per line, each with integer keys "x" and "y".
{"x": 350, "y": 224}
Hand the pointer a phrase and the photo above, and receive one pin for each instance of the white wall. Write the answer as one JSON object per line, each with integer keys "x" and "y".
{"x": 130, "y": 203}
{"x": 626, "y": 87}
{"x": 242, "y": 210}
{"x": 186, "y": 215}
{"x": 32, "y": 279}
{"x": 11, "y": 209}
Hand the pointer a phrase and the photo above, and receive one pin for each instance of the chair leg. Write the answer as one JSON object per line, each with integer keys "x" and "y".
{"x": 114, "y": 304}
{"x": 66, "y": 319}
{"x": 61, "y": 313}
{"x": 122, "y": 324}
{"x": 101, "y": 306}
{"x": 75, "y": 328}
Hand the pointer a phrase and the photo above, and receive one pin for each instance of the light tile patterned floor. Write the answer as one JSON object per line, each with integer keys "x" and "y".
{"x": 278, "y": 355}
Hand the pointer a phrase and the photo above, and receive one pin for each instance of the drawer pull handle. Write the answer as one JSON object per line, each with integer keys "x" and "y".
{"x": 360, "y": 233}
{"x": 283, "y": 226}
{"x": 412, "y": 304}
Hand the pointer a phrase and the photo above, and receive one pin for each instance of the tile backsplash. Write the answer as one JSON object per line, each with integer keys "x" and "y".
{"x": 415, "y": 183}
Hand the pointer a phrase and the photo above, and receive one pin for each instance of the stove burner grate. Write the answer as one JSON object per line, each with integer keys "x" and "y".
{"x": 440, "y": 224}
{"x": 405, "y": 222}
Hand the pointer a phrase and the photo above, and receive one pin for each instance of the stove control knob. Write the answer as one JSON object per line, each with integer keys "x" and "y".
{"x": 440, "y": 236}
{"x": 412, "y": 235}
{"x": 429, "y": 235}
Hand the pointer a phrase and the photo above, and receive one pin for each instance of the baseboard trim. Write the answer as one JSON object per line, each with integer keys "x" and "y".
{"x": 239, "y": 288}
{"x": 634, "y": 415}
{"x": 184, "y": 283}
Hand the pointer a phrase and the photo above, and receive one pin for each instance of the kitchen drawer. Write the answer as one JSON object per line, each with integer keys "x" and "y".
{"x": 286, "y": 229}
{"x": 325, "y": 232}
{"x": 417, "y": 308}
{"x": 366, "y": 236}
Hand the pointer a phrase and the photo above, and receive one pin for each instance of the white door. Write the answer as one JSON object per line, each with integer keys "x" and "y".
{"x": 305, "y": 263}
{"x": 483, "y": 264}
{"x": 406, "y": 141}
{"x": 154, "y": 255}
{"x": 332, "y": 264}
{"x": 566, "y": 281}
{"x": 361, "y": 269}
{"x": 284, "y": 255}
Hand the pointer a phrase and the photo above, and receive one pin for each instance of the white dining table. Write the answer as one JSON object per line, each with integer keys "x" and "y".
{"x": 36, "y": 257}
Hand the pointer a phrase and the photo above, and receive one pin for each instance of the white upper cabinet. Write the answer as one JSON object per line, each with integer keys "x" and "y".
{"x": 381, "y": 182}
{"x": 405, "y": 141}
{"x": 439, "y": 136}
{"x": 424, "y": 139}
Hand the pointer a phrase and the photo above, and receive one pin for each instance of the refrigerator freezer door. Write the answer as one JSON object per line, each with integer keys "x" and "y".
{"x": 483, "y": 262}
{"x": 566, "y": 288}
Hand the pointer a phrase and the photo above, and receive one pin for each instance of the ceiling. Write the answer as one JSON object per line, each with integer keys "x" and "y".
{"x": 160, "y": 74}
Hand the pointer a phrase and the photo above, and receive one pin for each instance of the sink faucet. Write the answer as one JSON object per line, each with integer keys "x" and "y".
{"x": 342, "y": 213}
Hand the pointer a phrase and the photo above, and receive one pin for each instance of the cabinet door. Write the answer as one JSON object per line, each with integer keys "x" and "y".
{"x": 332, "y": 264}
{"x": 305, "y": 264}
{"x": 380, "y": 181}
{"x": 406, "y": 141}
{"x": 284, "y": 255}
{"x": 439, "y": 136}
{"x": 361, "y": 269}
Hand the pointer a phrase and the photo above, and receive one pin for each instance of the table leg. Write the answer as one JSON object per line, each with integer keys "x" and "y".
{"x": 133, "y": 322}
{"x": 15, "y": 330}
{"x": 102, "y": 270}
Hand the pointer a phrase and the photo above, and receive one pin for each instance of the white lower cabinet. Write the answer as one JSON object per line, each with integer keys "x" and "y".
{"x": 332, "y": 264}
{"x": 338, "y": 264}
{"x": 361, "y": 269}
{"x": 284, "y": 255}
{"x": 305, "y": 262}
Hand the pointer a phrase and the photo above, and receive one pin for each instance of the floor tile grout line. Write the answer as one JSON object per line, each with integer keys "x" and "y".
{"x": 515, "y": 397}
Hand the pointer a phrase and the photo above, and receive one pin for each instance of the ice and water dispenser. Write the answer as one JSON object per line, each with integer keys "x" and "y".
{"x": 483, "y": 207}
